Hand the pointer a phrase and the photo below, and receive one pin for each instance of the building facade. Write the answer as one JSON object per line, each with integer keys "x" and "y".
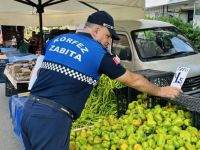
{"x": 187, "y": 10}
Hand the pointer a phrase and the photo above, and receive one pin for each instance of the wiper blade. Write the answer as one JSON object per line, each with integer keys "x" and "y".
{"x": 181, "y": 53}
{"x": 172, "y": 55}
{"x": 159, "y": 56}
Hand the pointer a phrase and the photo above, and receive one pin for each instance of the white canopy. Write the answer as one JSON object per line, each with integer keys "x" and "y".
{"x": 69, "y": 12}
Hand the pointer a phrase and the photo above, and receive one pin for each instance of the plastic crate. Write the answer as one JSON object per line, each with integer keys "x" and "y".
{"x": 10, "y": 89}
{"x": 2, "y": 76}
{"x": 2, "y": 67}
{"x": 192, "y": 104}
{"x": 122, "y": 100}
{"x": 126, "y": 95}
{"x": 196, "y": 119}
{"x": 159, "y": 78}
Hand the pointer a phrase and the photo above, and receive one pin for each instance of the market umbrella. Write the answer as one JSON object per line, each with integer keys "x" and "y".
{"x": 73, "y": 12}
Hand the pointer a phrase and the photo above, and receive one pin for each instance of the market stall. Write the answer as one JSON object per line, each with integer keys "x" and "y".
{"x": 145, "y": 123}
{"x": 17, "y": 70}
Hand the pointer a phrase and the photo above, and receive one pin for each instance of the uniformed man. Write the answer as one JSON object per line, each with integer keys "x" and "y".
{"x": 72, "y": 66}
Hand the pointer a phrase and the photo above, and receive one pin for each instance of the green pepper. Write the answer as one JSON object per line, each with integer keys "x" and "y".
{"x": 88, "y": 147}
{"x": 180, "y": 141}
{"x": 140, "y": 135}
{"x": 121, "y": 134}
{"x": 189, "y": 146}
{"x": 96, "y": 147}
{"x": 84, "y": 133}
{"x": 175, "y": 129}
{"x": 187, "y": 115}
{"x": 90, "y": 139}
{"x": 131, "y": 140}
{"x": 194, "y": 139}
{"x": 115, "y": 139}
{"x": 169, "y": 147}
{"x": 167, "y": 122}
{"x": 192, "y": 130}
{"x": 105, "y": 136}
{"x": 144, "y": 96}
{"x": 176, "y": 142}
{"x": 180, "y": 113}
{"x": 185, "y": 135}
{"x": 113, "y": 147}
{"x": 106, "y": 144}
{"x": 137, "y": 122}
{"x": 161, "y": 138}
{"x": 116, "y": 127}
{"x": 178, "y": 121}
{"x": 145, "y": 145}
{"x": 150, "y": 116}
{"x": 81, "y": 140}
{"x": 182, "y": 148}
{"x": 198, "y": 145}
{"x": 157, "y": 109}
{"x": 165, "y": 114}
{"x": 72, "y": 146}
{"x": 124, "y": 145}
{"x": 158, "y": 118}
{"x": 151, "y": 123}
{"x": 97, "y": 132}
{"x": 132, "y": 105}
{"x": 162, "y": 130}
{"x": 187, "y": 122}
{"x": 151, "y": 143}
{"x": 159, "y": 148}
{"x": 130, "y": 130}
{"x": 97, "y": 140}
{"x": 137, "y": 147}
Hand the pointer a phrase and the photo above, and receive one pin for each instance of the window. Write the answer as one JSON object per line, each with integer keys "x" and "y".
{"x": 121, "y": 48}
{"x": 161, "y": 43}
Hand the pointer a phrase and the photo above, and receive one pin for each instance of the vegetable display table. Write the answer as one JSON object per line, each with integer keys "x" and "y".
{"x": 12, "y": 86}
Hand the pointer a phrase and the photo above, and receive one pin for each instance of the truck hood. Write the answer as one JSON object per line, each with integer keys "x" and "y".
{"x": 191, "y": 61}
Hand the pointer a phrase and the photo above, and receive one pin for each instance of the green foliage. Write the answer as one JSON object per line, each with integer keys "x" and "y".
{"x": 102, "y": 102}
{"x": 187, "y": 29}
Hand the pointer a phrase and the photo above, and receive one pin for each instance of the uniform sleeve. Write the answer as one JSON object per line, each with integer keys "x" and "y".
{"x": 111, "y": 67}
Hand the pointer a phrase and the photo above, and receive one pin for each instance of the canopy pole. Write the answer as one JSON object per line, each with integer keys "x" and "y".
{"x": 41, "y": 31}
{"x": 40, "y": 10}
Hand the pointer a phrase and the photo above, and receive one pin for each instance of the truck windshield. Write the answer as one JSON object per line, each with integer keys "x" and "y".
{"x": 162, "y": 43}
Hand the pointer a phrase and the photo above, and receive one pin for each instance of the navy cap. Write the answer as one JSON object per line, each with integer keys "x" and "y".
{"x": 104, "y": 19}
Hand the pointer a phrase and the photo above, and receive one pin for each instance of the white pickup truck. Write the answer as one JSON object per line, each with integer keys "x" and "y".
{"x": 150, "y": 44}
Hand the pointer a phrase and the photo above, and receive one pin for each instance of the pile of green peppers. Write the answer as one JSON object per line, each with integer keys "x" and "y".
{"x": 159, "y": 128}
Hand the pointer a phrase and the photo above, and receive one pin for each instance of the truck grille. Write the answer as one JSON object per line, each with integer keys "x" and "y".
{"x": 191, "y": 84}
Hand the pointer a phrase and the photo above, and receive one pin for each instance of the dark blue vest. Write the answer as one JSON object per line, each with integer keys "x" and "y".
{"x": 70, "y": 70}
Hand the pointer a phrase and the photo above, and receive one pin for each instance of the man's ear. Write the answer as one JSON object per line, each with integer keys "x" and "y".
{"x": 96, "y": 30}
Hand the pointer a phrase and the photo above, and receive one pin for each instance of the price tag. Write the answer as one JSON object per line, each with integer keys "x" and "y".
{"x": 180, "y": 76}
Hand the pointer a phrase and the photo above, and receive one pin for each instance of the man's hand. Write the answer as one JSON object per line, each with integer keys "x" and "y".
{"x": 169, "y": 92}
{"x": 139, "y": 83}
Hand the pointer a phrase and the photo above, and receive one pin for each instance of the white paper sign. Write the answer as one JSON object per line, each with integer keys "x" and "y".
{"x": 180, "y": 76}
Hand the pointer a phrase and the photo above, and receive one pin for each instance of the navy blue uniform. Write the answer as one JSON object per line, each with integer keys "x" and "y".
{"x": 72, "y": 66}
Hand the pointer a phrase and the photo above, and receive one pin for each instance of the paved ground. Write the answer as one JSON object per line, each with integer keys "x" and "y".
{"x": 8, "y": 141}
